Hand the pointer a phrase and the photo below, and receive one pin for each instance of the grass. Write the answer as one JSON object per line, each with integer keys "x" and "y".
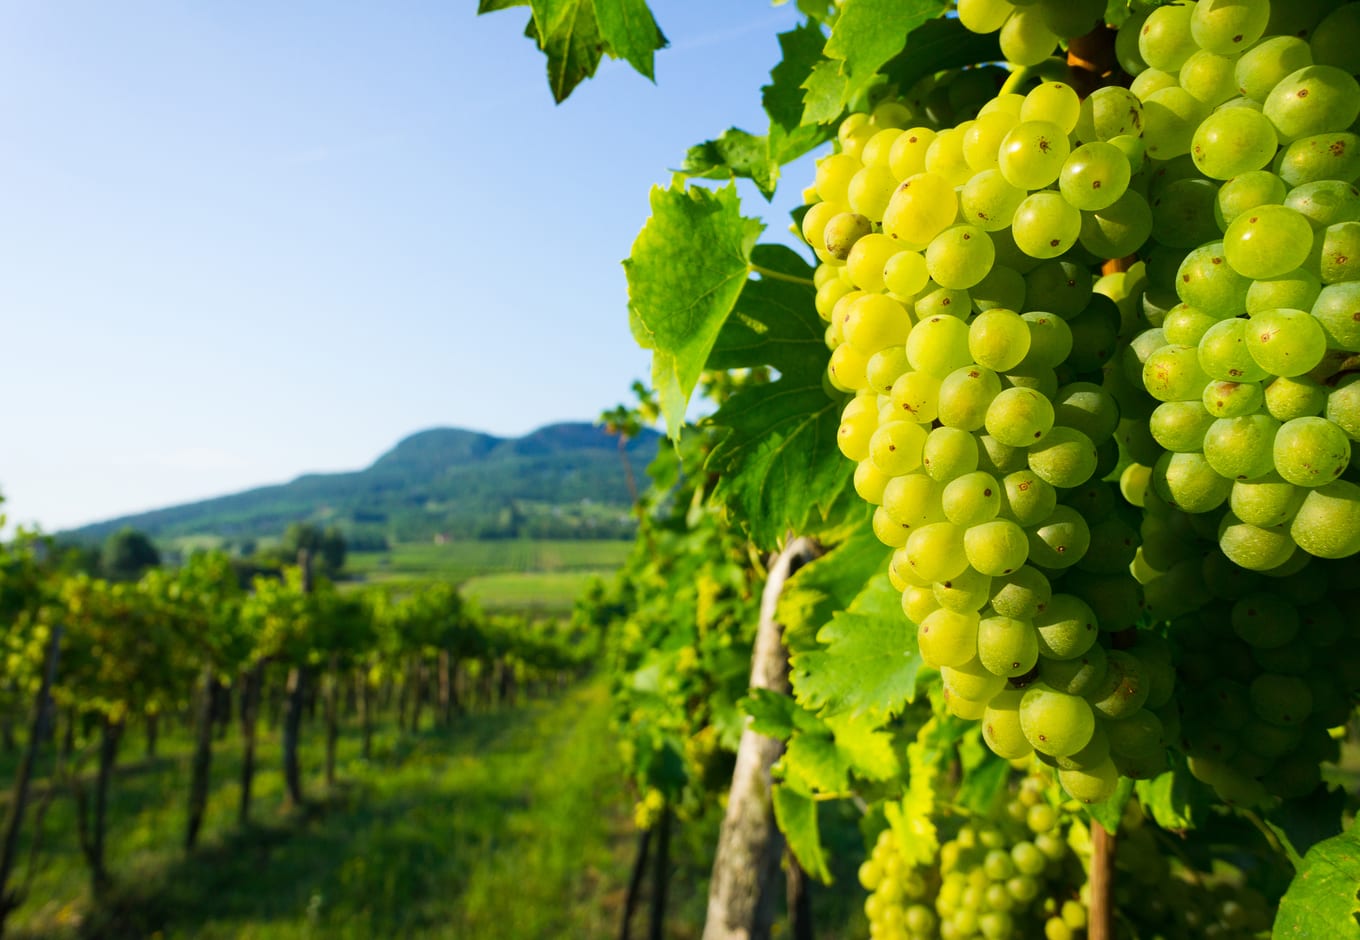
{"x": 551, "y": 592}
{"x": 458, "y": 561}
{"x": 512, "y": 824}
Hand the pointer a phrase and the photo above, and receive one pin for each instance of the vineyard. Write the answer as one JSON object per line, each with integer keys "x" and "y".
{"x": 1010, "y": 587}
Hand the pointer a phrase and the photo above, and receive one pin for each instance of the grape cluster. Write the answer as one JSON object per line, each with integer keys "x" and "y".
{"x": 997, "y": 880}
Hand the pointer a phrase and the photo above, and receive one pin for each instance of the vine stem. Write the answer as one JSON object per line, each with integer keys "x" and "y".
{"x": 777, "y": 276}
{"x": 1275, "y": 843}
{"x": 1101, "y": 918}
{"x": 1015, "y": 80}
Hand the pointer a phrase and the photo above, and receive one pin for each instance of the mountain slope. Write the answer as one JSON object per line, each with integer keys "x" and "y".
{"x": 563, "y": 480}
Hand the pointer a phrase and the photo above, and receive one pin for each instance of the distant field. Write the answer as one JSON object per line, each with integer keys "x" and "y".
{"x": 459, "y": 561}
{"x": 546, "y": 592}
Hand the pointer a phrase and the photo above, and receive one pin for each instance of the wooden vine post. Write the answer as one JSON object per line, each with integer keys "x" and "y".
{"x": 743, "y": 889}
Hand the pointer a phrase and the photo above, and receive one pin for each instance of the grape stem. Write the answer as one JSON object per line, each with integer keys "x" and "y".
{"x": 1275, "y": 841}
{"x": 777, "y": 276}
{"x": 1101, "y": 922}
{"x": 1016, "y": 79}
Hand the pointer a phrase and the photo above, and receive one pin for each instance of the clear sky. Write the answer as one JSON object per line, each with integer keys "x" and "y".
{"x": 243, "y": 241}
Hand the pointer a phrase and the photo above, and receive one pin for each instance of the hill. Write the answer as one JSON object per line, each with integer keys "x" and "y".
{"x": 560, "y": 481}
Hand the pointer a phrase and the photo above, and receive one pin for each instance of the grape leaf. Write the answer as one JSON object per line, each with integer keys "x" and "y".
{"x": 776, "y": 461}
{"x": 868, "y": 748}
{"x": 788, "y": 137}
{"x": 796, "y": 815}
{"x": 869, "y": 659}
{"x": 631, "y": 32}
{"x": 985, "y": 775}
{"x": 490, "y": 6}
{"x": 686, "y": 271}
{"x": 735, "y": 153}
{"x": 828, "y": 584}
{"x": 1174, "y": 799}
{"x": 1322, "y": 899}
{"x": 776, "y": 715}
{"x": 822, "y": 759}
{"x": 940, "y": 44}
{"x": 870, "y": 32}
{"x": 1110, "y": 811}
{"x": 569, "y": 34}
{"x": 826, "y": 91}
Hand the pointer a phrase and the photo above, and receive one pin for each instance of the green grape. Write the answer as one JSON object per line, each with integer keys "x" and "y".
{"x": 1204, "y": 280}
{"x": 1186, "y": 325}
{"x": 1266, "y": 501}
{"x": 1003, "y": 288}
{"x": 905, "y": 274}
{"x": 1267, "y": 241}
{"x": 997, "y": 547}
{"x": 1001, "y": 726}
{"x": 1247, "y": 191}
{"x": 1232, "y": 141}
{"x": 944, "y": 156}
{"x": 1180, "y": 426}
{"x": 1019, "y": 416}
{"x": 998, "y": 458}
{"x": 1165, "y": 40}
{"x": 939, "y": 345}
{"x": 983, "y": 16}
{"x": 1241, "y": 448}
{"x": 1050, "y": 340}
{"x": 923, "y": 206}
{"x": 983, "y": 139}
{"x": 1045, "y": 225}
{"x": 1173, "y": 373}
{"x": 913, "y": 499}
{"x": 1298, "y": 290}
{"x": 1228, "y": 26}
{"x": 916, "y": 396}
{"x": 1071, "y": 18}
{"x": 1170, "y": 116}
{"x": 948, "y": 454}
{"x": 1335, "y": 254}
{"x": 988, "y": 201}
{"x": 1041, "y": 379}
{"x": 969, "y": 592}
{"x": 1263, "y": 66}
{"x": 998, "y": 339}
{"x": 1007, "y": 647}
{"x": 878, "y": 149}
{"x": 1187, "y": 482}
{"x": 1264, "y": 620}
{"x": 971, "y": 499}
{"x": 918, "y": 602}
{"x": 1124, "y": 688}
{"x": 895, "y": 448}
{"x": 1289, "y": 398}
{"x": 1316, "y": 99}
{"x": 937, "y": 301}
{"x": 859, "y": 420}
{"x": 889, "y": 531}
{"x": 907, "y": 157}
{"x": 1325, "y": 202}
{"x": 1032, "y": 154}
{"x": 1149, "y": 81}
{"x": 1183, "y": 213}
{"x": 870, "y": 190}
{"x": 1075, "y": 676}
{"x": 1333, "y": 39}
{"x": 1023, "y": 594}
{"x": 1281, "y": 700}
{"x": 834, "y": 173}
{"x": 1285, "y": 342}
{"x": 1327, "y": 524}
{"x": 1064, "y": 458}
{"x": 1107, "y": 113}
{"x": 1334, "y": 156}
{"x": 1054, "y": 102}
{"x": 1256, "y": 548}
{"x": 1060, "y": 287}
{"x": 1059, "y": 541}
{"x": 1311, "y": 451}
{"x": 885, "y": 367}
{"x": 960, "y": 256}
{"x": 1343, "y": 406}
{"x": 1027, "y": 498}
{"x": 936, "y": 551}
{"x": 1088, "y": 408}
{"x": 1119, "y": 229}
{"x": 1055, "y": 724}
{"x": 1209, "y": 77}
{"x": 1026, "y": 38}
{"x": 847, "y": 368}
{"x": 842, "y": 232}
{"x": 1232, "y": 399}
{"x": 870, "y": 481}
{"x": 947, "y": 638}
{"x": 874, "y": 322}
{"x": 1091, "y": 784}
{"x": 1337, "y": 311}
{"x": 973, "y": 681}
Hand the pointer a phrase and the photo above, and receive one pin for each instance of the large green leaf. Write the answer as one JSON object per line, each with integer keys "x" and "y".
{"x": 822, "y": 759}
{"x": 1322, "y": 899}
{"x": 829, "y": 584}
{"x": 631, "y": 32}
{"x": 796, "y": 814}
{"x": 777, "y": 715}
{"x": 869, "y": 661}
{"x": 686, "y": 271}
{"x": 569, "y": 34}
{"x": 788, "y": 137}
{"x": 777, "y": 462}
{"x": 937, "y": 45}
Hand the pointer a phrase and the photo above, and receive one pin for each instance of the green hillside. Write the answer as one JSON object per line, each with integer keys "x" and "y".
{"x": 560, "y": 481}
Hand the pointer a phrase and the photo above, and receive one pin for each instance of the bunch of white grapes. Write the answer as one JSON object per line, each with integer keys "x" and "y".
{"x": 997, "y": 382}
{"x": 994, "y": 879}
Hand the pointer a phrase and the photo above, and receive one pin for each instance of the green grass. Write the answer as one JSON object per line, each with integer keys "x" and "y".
{"x": 512, "y": 824}
{"x": 552, "y": 592}
{"x": 458, "y": 561}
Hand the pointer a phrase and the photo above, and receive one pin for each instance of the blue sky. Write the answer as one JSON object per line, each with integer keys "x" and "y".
{"x": 243, "y": 241}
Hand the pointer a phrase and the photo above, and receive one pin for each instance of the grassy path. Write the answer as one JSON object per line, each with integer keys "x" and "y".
{"x": 510, "y": 825}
